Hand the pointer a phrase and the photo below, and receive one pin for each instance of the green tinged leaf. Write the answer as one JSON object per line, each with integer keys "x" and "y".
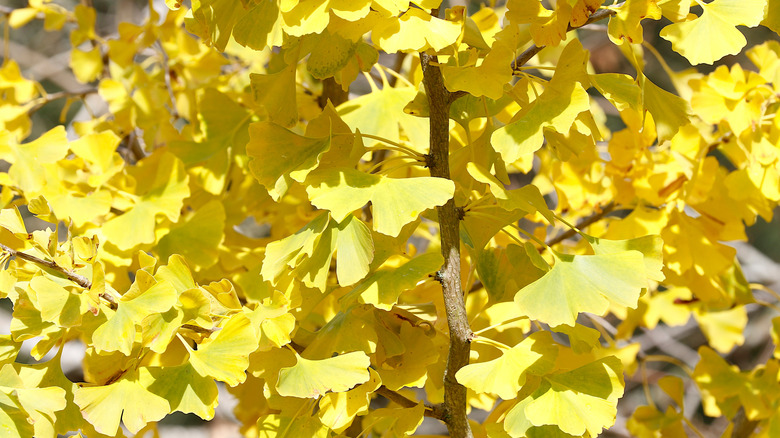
{"x": 505, "y": 375}
{"x": 185, "y": 389}
{"x": 579, "y": 401}
{"x": 583, "y": 283}
{"x": 527, "y": 198}
{"x": 330, "y": 53}
{"x": 275, "y": 93}
{"x": 355, "y": 251}
{"x": 225, "y": 356}
{"x": 621, "y": 90}
{"x": 395, "y": 202}
{"x": 197, "y": 236}
{"x": 555, "y": 108}
{"x": 383, "y": 287}
{"x": 145, "y": 298}
{"x": 284, "y": 254}
{"x": 314, "y": 378}
{"x": 650, "y": 246}
{"x": 258, "y": 27}
{"x": 162, "y": 185}
{"x": 381, "y": 113}
{"x": 294, "y": 156}
{"x": 670, "y": 112}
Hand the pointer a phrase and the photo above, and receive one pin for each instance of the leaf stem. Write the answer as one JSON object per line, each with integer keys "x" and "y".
{"x": 389, "y": 160}
{"x": 494, "y": 326}
{"x": 492, "y": 343}
{"x": 396, "y": 146}
{"x": 399, "y": 167}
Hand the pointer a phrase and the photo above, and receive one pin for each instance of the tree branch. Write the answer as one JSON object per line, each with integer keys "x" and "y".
{"x": 70, "y": 275}
{"x": 449, "y": 227}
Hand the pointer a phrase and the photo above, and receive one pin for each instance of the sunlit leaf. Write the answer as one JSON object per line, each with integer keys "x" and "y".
{"x": 162, "y": 187}
{"x": 314, "y": 378}
{"x": 506, "y": 375}
{"x": 583, "y": 283}
{"x": 146, "y": 297}
{"x": 128, "y": 399}
{"x": 383, "y": 287}
{"x": 225, "y": 356}
{"x": 395, "y": 202}
{"x": 714, "y": 33}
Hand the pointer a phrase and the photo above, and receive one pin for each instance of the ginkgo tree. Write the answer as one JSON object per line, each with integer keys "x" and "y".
{"x": 401, "y": 270}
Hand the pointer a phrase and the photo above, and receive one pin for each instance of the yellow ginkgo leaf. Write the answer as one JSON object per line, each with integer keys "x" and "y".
{"x": 651, "y": 247}
{"x": 330, "y": 53}
{"x": 625, "y": 25}
{"x": 185, "y": 389}
{"x": 42, "y": 403}
{"x": 304, "y": 18}
{"x": 415, "y": 31}
{"x": 714, "y": 34}
{"x": 128, "y": 399}
{"x": 197, "y": 236}
{"x": 275, "y": 92}
{"x": 162, "y": 187}
{"x": 670, "y": 112}
{"x": 297, "y": 156}
{"x": 272, "y": 321}
{"x": 556, "y": 108}
{"x": 260, "y": 26}
{"x": 314, "y": 378}
{"x": 284, "y": 254}
{"x": 381, "y": 113}
{"x": 226, "y": 356}
{"x": 395, "y": 202}
{"x": 145, "y": 297}
{"x": 354, "y": 250}
{"x": 337, "y": 409}
{"x": 488, "y": 78}
{"x": 57, "y": 304}
{"x": 88, "y": 65}
{"x": 505, "y": 375}
{"x": 583, "y": 283}
{"x": 383, "y": 287}
{"x": 27, "y": 159}
{"x": 527, "y": 198}
{"x": 579, "y": 401}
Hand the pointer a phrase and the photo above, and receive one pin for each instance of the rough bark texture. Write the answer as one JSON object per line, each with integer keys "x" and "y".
{"x": 449, "y": 223}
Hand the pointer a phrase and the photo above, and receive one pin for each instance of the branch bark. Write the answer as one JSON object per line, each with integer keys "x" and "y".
{"x": 70, "y": 275}
{"x": 449, "y": 226}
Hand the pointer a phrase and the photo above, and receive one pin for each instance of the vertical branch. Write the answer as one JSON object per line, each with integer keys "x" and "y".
{"x": 449, "y": 225}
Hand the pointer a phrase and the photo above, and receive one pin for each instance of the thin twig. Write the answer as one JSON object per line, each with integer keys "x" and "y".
{"x": 72, "y": 276}
{"x": 433, "y": 411}
{"x": 51, "y": 97}
{"x": 582, "y": 224}
{"x": 529, "y": 53}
